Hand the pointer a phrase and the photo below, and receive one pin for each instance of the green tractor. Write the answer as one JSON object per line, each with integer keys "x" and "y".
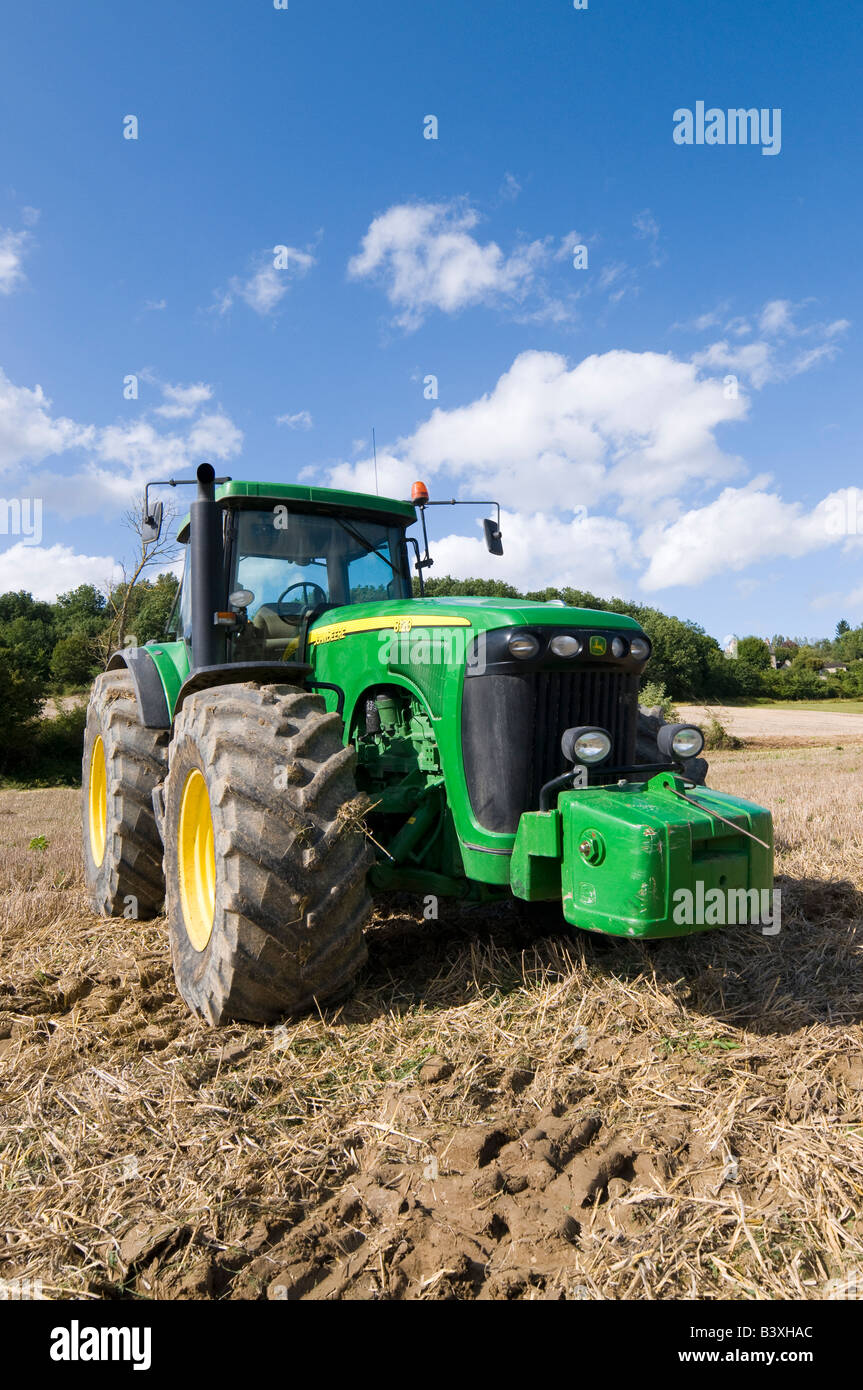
{"x": 308, "y": 731}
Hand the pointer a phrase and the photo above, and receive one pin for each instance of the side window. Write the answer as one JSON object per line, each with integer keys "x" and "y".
{"x": 369, "y": 578}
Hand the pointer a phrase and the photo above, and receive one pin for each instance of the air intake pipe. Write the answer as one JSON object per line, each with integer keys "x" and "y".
{"x": 207, "y": 561}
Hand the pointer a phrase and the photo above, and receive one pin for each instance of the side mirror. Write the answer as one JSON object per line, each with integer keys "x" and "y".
{"x": 493, "y": 538}
{"x": 151, "y": 528}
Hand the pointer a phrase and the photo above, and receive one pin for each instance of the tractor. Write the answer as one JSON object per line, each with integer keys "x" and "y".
{"x": 309, "y": 731}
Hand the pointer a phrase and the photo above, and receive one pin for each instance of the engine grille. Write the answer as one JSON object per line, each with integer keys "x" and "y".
{"x": 512, "y": 726}
{"x": 565, "y": 699}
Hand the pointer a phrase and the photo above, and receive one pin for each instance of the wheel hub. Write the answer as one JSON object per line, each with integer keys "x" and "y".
{"x": 196, "y": 860}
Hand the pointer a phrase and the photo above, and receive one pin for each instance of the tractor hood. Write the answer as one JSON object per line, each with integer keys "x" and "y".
{"x": 481, "y": 614}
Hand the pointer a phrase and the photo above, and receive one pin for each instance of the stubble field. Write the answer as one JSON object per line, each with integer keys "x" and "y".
{"x": 500, "y": 1111}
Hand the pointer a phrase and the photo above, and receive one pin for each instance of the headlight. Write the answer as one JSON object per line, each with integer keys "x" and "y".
{"x": 523, "y": 645}
{"x": 680, "y": 741}
{"x": 585, "y": 745}
{"x": 618, "y": 646}
{"x": 564, "y": 645}
{"x": 639, "y": 648}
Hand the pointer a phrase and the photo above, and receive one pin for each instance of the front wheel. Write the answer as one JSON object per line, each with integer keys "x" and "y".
{"x": 265, "y": 861}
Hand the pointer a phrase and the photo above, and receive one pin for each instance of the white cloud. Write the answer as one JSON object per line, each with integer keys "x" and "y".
{"x": 215, "y": 435}
{"x": 426, "y": 258}
{"x": 118, "y": 458}
{"x": 785, "y": 348}
{"x": 635, "y": 425}
{"x": 567, "y": 245}
{"x": 647, "y": 229}
{"x": 28, "y": 431}
{"x": 542, "y": 551}
{"x": 509, "y": 189}
{"x": 269, "y": 282}
{"x": 46, "y": 571}
{"x": 759, "y": 362}
{"x": 394, "y": 475}
{"x": 621, "y": 431}
{"x": 741, "y": 527}
{"x": 754, "y": 361}
{"x": 301, "y": 421}
{"x": 13, "y": 246}
{"x": 183, "y": 401}
{"x": 776, "y": 317}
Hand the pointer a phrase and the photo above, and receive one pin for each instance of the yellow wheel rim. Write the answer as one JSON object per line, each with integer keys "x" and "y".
{"x": 97, "y": 802}
{"x": 196, "y": 858}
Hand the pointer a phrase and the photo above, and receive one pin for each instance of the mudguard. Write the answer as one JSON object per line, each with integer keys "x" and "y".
{"x": 150, "y": 692}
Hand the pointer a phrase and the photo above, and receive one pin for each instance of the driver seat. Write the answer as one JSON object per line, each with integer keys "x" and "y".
{"x": 269, "y": 636}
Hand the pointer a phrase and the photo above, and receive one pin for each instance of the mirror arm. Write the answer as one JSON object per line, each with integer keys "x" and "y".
{"x": 171, "y": 482}
{"x": 412, "y": 540}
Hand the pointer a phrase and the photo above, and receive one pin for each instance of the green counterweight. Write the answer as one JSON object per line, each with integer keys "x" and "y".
{"x": 637, "y": 859}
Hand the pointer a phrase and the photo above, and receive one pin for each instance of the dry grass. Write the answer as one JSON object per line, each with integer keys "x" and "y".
{"x": 676, "y": 1120}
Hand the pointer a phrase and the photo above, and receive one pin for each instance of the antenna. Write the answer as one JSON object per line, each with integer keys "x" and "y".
{"x": 375, "y": 450}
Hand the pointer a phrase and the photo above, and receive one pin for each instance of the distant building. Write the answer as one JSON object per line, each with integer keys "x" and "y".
{"x": 830, "y": 668}
{"x": 729, "y": 646}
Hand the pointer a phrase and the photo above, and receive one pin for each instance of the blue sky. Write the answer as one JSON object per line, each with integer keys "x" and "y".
{"x": 597, "y": 403}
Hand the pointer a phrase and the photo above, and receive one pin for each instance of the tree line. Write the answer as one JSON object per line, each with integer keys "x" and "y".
{"x": 692, "y": 666}
{"x": 49, "y": 650}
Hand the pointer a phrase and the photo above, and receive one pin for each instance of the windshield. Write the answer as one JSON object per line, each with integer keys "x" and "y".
{"x": 294, "y": 560}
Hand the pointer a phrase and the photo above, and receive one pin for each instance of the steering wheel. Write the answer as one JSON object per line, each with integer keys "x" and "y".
{"x": 305, "y": 585}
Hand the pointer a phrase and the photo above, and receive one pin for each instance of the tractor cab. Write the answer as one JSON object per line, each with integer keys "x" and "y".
{"x": 288, "y": 565}
{"x": 289, "y": 556}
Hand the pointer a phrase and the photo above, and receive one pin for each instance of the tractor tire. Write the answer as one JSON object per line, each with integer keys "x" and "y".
{"x": 123, "y": 761}
{"x": 650, "y": 721}
{"x": 265, "y": 861}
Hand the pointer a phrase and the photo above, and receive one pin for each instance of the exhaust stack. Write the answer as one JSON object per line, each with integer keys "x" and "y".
{"x": 207, "y": 561}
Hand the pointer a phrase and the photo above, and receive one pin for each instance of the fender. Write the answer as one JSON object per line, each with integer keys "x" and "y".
{"x": 149, "y": 690}
{"x": 234, "y": 673}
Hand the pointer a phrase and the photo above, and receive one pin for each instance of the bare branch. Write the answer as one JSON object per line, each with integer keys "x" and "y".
{"x": 146, "y": 555}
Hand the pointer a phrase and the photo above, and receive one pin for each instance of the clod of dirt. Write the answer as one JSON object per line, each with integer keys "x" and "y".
{"x": 142, "y": 1242}
{"x": 474, "y": 1148}
{"x": 435, "y": 1068}
{"x": 382, "y": 1203}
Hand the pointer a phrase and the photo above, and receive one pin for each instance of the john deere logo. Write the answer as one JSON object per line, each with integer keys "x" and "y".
{"x": 597, "y": 646}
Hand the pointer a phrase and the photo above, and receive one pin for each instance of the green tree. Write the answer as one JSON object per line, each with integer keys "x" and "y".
{"x": 82, "y": 610}
{"x": 445, "y": 587}
{"x": 27, "y": 633}
{"x": 20, "y": 703}
{"x": 149, "y": 607}
{"x": 74, "y": 661}
{"x": 754, "y": 651}
{"x": 849, "y": 645}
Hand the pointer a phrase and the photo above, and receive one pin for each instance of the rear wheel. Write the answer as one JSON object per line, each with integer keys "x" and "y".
{"x": 122, "y": 764}
{"x": 265, "y": 861}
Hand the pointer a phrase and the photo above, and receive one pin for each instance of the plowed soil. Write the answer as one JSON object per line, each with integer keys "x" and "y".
{"x": 499, "y": 1112}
